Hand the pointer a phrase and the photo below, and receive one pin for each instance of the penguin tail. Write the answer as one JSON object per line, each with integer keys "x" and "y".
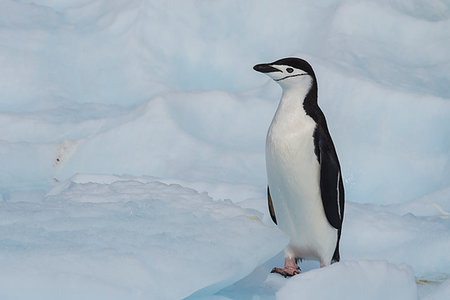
{"x": 336, "y": 255}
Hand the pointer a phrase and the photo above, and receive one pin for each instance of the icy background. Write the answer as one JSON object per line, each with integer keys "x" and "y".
{"x": 132, "y": 147}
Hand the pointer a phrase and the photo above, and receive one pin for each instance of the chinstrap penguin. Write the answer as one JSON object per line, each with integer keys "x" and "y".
{"x": 305, "y": 189}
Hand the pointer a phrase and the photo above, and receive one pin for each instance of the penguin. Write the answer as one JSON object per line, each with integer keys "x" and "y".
{"x": 305, "y": 189}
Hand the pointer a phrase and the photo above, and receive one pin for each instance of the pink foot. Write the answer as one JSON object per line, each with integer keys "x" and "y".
{"x": 290, "y": 268}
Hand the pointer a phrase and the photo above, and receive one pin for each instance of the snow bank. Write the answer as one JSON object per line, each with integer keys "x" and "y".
{"x": 353, "y": 280}
{"x": 91, "y": 73}
{"x": 422, "y": 242}
{"x": 110, "y": 237}
{"x": 176, "y": 136}
{"x": 172, "y": 136}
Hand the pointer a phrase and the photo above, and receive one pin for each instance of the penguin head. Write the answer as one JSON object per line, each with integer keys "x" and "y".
{"x": 289, "y": 72}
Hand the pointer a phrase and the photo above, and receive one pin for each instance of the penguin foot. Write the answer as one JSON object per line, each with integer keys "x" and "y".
{"x": 286, "y": 271}
{"x": 290, "y": 268}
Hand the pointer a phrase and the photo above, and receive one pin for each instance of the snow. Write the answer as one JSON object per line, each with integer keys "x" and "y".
{"x": 114, "y": 237}
{"x": 372, "y": 279}
{"x": 441, "y": 292}
{"x": 132, "y": 146}
{"x": 384, "y": 234}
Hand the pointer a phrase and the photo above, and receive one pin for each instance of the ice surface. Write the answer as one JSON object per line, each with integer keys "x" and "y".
{"x": 442, "y": 292}
{"x": 165, "y": 92}
{"x": 96, "y": 72}
{"x": 353, "y": 280}
{"x": 420, "y": 241}
{"x": 111, "y": 237}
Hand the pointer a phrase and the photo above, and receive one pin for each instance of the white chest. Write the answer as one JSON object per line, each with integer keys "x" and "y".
{"x": 290, "y": 142}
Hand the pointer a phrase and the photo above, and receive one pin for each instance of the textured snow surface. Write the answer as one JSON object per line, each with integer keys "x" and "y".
{"x": 166, "y": 89}
{"x": 353, "y": 280}
{"x": 442, "y": 292}
{"x": 169, "y": 87}
{"x": 108, "y": 237}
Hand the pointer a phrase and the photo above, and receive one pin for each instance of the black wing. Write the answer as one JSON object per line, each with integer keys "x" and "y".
{"x": 331, "y": 185}
{"x": 271, "y": 210}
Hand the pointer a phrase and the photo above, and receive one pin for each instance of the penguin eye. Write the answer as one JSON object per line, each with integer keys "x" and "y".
{"x": 290, "y": 70}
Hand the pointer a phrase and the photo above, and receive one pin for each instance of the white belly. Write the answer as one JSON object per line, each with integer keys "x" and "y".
{"x": 294, "y": 175}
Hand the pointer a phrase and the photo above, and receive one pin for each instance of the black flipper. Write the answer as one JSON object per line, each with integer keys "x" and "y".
{"x": 271, "y": 210}
{"x": 336, "y": 255}
{"x": 331, "y": 185}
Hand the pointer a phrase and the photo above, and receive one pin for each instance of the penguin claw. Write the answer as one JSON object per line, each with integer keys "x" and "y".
{"x": 286, "y": 272}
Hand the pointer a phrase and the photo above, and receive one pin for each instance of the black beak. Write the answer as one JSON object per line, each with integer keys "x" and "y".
{"x": 265, "y": 68}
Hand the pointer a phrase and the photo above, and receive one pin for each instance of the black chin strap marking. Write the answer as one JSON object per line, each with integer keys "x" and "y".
{"x": 291, "y": 76}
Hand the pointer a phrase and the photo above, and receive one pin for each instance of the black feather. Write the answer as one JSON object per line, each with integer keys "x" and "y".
{"x": 271, "y": 209}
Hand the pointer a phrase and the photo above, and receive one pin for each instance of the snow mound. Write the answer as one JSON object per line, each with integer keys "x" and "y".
{"x": 353, "y": 280}
{"x": 177, "y": 134}
{"x": 111, "y": 237}
{"x": 91, "y": 82}
{"x": 379, "y": 233}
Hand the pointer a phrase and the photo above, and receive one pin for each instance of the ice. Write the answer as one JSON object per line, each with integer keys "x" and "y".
{"x": 163, "y": 94}
{"x": 353, "y": 280}
{"x": 112, "y": 237}
{"x": 92, "y": 69}
{"x": 383, "y": 234}
{"x": 442, "y": 292}
{"x": 174, "y": 123}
